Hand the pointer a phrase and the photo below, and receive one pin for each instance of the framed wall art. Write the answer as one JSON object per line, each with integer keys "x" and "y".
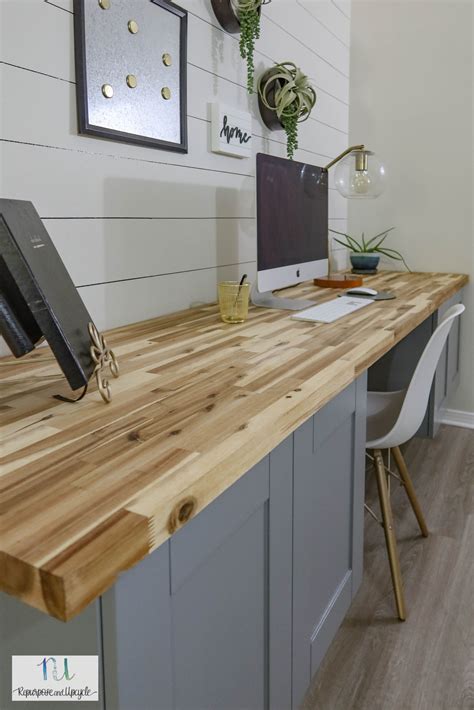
{"x": 231, "y": 131}
{"x": 131, "y": 71}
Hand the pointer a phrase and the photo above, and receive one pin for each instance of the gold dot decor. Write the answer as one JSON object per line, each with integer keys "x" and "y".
{"x": 133, "y": 27}
{"x": 167, "y": 61}
{"x": 107, "y": 91}
{"x": 104, "y": 4}
{"x": 131, "y": 81}
{"x": 166, "y": 92}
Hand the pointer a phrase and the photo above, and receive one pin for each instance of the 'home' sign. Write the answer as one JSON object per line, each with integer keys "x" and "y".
{"x": 231, "y": 131}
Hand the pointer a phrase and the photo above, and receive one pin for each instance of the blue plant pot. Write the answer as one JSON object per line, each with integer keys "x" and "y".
{"x": 364, "y": 262}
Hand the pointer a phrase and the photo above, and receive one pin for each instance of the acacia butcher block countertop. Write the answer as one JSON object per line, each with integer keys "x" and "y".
{"x": 88, "y": 489}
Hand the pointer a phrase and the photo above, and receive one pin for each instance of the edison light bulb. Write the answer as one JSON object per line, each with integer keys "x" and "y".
{"x": 360, "y": 174}
{"x": 361, "y": 182}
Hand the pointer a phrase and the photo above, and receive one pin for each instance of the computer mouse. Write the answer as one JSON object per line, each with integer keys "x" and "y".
{"x": 361, "y": 291}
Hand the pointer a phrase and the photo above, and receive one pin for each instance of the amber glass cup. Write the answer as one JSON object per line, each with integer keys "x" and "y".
{"x": 233, "y": 301}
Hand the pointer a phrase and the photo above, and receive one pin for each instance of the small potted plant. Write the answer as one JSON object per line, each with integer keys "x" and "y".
{"x": 242, "y": 16}
{"x": 286, "y": 98}
{"x": 365, "y": 253}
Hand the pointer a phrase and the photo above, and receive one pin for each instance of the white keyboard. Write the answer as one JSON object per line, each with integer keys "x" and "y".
{"x": 332, "y": 310}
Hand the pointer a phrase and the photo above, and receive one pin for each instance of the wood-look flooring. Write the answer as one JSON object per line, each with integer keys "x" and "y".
{"x": 426, "y": 663}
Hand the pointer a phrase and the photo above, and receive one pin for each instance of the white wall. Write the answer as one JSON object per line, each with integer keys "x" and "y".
{"x": 412, "y": 102}
{"x": 144, "y": 231}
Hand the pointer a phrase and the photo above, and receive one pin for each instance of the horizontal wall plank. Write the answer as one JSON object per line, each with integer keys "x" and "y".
{"x": 61, "y": 4}
{"x": 344, "y": 6}
{"x": 310, "y": 32}
{"x": 37, "y": 35}
{"x": 330, "y": 17}
{"x": 56, "y": 124}
{"x": 103, "y": 250}
{"x": 66, "y": 183}
{"x": 289, "y": 23}
{"x": 99, "y": 250}
{"x": 112, "y": 304}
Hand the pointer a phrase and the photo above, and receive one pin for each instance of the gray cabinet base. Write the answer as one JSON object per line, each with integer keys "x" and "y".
{"x": 238, "y": 608}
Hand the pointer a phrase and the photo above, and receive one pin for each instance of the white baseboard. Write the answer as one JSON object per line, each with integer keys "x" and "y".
{"x": 456, "y": 417}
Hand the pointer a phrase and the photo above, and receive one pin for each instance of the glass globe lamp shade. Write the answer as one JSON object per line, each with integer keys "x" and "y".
{"x": 360, "y": 175}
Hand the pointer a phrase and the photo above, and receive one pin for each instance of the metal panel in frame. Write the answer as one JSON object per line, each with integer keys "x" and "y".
{"x": 131, "y": 71}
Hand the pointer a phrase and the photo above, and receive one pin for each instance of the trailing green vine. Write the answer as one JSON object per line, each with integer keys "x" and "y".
{"x": 248, "y": 12}
{"x": 287, "y": 91}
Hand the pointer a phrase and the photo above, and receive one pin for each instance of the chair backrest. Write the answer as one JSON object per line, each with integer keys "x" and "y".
{"x": 418, "y": 392}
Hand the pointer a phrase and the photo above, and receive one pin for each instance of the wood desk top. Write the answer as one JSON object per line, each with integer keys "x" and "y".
{"x": 88, "y": 489}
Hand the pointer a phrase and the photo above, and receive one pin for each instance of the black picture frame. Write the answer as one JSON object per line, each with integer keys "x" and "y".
{"x": 85, "y": 127}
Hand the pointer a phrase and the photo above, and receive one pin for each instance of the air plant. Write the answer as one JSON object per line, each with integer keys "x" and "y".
{"x": 285, "y": 90}
{"x": 370, "y": 246}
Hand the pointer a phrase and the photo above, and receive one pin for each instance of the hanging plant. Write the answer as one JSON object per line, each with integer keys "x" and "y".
{"x": 286, "y": 98}
{"x": 242, "y": 16}
{"x": 248, "y": 12}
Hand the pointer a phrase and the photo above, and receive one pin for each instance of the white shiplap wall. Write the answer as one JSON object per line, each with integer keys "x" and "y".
{"x": 144, "y": 231}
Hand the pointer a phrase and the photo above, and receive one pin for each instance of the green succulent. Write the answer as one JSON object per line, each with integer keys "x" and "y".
{"x": 293, "y": 98}
{"x": 370, "y": 246}
{"x": 248, "y": 12}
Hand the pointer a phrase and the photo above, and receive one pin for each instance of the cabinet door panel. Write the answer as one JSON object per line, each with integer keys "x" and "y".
{"x": 189, "y": 627}
{"x": 219, "y": 625}
{"x": 322, "y": 544}
{"x": 333, "y": 414}
{"x": 331, "y": 621}
{"x": 280, "y": 537}
{"x": 441, "y": 380}
{"x": 136, "y": 622}
{"x": 447, "y": 372}
{"x": 453, "y": 357}
{"x": 195, "y": 542}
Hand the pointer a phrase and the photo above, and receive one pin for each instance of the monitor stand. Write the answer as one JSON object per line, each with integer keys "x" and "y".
{"x": 267, "y": 299}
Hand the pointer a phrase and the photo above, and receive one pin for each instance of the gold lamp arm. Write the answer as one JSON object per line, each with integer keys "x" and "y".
{"x": 343, "y": 155}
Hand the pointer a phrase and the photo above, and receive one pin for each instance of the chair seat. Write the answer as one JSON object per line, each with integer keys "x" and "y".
{"x": 383, "y": 409}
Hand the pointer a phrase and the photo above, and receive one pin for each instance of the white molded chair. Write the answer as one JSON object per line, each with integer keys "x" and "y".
{"x": 392, "y": 419}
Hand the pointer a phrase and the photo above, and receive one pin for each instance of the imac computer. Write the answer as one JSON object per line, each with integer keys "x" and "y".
{"x": 292, "y": 228}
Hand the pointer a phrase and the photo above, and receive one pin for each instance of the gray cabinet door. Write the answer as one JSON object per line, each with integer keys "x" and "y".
{"x": 453, "y": 345}
{"x": 189, "y": 628}
{"x": 447, "y": 372}
{"x": 327, "y": 527}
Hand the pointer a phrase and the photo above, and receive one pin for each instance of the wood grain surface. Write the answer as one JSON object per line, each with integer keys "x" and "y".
{"x": 87, "y": 489}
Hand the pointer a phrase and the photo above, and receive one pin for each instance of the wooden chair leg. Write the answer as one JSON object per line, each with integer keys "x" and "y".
{"x": 390, "y": 538}
{"x": 410, "y": 489}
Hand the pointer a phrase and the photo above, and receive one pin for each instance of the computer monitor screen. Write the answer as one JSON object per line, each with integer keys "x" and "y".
{"x": 292, "y": 222}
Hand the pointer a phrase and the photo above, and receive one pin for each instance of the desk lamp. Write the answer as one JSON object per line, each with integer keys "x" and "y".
{"x": 359, "y": 175}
